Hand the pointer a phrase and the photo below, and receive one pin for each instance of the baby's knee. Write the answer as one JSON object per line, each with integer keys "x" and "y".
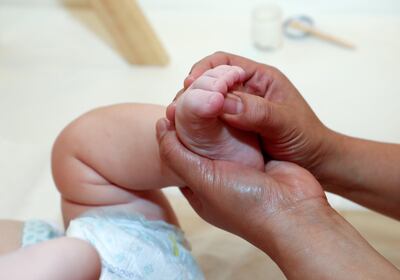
{"x": 69, "y": 168}
{"x": 65, "y": 152}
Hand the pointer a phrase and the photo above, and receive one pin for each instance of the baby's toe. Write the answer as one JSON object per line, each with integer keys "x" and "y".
{"x": 220, "y": 79}
{"x": 200, "y": 103}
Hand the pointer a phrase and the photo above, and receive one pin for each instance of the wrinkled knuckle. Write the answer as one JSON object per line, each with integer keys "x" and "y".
{"x": 270, "y": 71}
{"x": 258, "y": 121}
{"x": 261, "y": 67}
{"x": 275, "y": 73}
{"x": 262, "y": 115}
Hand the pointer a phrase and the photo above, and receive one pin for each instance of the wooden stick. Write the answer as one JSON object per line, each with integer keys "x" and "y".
{"x": 321, "y": 35}
{"x": 131, "y": 32}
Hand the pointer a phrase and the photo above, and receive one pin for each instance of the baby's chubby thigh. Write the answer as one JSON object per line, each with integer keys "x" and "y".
{"x": 62, "y": 258}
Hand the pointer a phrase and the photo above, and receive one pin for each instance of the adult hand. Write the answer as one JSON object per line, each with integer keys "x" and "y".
{"x": 236, "y": 198}
{"x": 272, "y": 107}
{"x": 282, "y": 211}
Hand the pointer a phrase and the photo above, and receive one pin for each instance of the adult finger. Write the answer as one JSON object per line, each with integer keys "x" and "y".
{"x": 254, "y": 113}
{"x": 257, "y": 75}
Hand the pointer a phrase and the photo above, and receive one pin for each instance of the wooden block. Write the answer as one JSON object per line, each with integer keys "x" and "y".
{"x": 131, "y": 31}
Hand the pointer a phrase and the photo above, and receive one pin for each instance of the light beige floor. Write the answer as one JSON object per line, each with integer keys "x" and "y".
{"x": 225, "y": 256}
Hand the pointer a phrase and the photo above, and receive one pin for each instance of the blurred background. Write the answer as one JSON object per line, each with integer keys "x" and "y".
{"x": 57, "y": 62}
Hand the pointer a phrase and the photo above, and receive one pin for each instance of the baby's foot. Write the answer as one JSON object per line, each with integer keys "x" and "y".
{"x": 200, "y": 129}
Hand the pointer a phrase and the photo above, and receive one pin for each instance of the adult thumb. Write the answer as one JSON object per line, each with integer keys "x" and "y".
{"x": 253, "y": 113}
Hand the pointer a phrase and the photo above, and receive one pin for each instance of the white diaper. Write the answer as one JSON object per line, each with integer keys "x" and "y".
{"x": 132, "y": 247}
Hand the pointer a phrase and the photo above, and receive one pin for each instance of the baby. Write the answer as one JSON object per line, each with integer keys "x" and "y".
{"x": 107, "y": 168}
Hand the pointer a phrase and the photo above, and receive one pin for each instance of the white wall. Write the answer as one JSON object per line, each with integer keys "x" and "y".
{"x": 53, "y": 67}
{"x": 324, "y": 6}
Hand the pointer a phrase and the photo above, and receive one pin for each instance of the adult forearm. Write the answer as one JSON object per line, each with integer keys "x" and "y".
{"x": 366, "y": 172}
{"x": 312, "y": 241}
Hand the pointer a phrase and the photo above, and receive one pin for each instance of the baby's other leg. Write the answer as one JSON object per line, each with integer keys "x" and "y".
{"x": 199, "y": 127}
{"x": 10, "y": 235}
{"x": 109, "y": 156}
{"x": 61, "y": 259}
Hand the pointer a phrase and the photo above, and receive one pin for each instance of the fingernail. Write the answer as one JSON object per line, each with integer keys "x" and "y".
{"x": 233, "y": 104}
{"x": 162, "y": 127}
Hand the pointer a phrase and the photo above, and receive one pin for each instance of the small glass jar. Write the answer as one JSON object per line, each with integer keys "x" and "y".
{"x": 266, "y": 27}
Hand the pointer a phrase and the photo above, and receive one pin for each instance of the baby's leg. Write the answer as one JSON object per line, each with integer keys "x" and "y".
{"x": 109, "y": 156}
{"x": 62, "y": 258}
{"x": 199, "y": 127}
